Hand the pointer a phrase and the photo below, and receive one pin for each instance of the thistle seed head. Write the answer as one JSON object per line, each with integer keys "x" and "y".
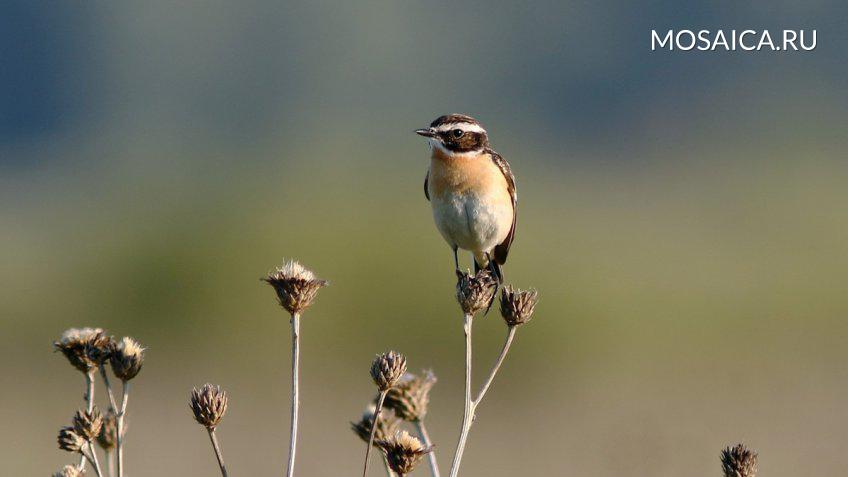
{"x": 410, "y": 397}
{"x": 387, "y": 369}
{"x": 85, "y": 348}
{"x": 386, "y": 425}
{"x": 88, "y": 424}
{"x": 296, "y": 286}
{"x": 209, "y": 404}
{"x": 739, "y": 461}
{"x": 69, "y": 440}
{"x": 69, "y": 471}
{"x": 107, "y": 439}
{"x": 126, "y": 358}
{"x": 517, "y": 305}
{"x": 475, "y": 292}
{"x": 403, "y": 452}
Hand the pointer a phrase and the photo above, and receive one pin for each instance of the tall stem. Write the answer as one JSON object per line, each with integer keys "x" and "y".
{"x": 295, "y": 392}
{"x": 110, "y": 462}
{"x": 471, "y": 405}
{"x": 92, "y": 456}
{"x": 214, "y": 439}
{"x": 89, "y": 405}
{"x": 431, "y": 457}
{"x": 468, "y": 415}
{"x": 119, "y": 428}
{"x": 377, "y": 409}
{"x": 109, "y": 392}
{"x": 507, "y": 343}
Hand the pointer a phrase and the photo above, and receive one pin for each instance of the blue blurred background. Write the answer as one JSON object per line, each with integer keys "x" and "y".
{"x": 682, "y": 214}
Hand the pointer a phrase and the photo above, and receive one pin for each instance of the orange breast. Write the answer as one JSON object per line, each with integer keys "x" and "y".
{"x": 464, "y": 173}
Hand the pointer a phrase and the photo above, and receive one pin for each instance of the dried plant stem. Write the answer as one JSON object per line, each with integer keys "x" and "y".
{"x": 295, "y": 391}
{"x": 431, "y": 457}
{"x": 89, "y": 405}
{"x": 110, "y": 462}
{"x": 119, "y": 428}
{"x": 91, "y": 455}
{"x": 110, "y": 456}
{"x": 507, "y": 343}
{"x": 108, "y": 385}
{"x": 214, "y": 439}
{"x": 468, "y": 414}
{"x": 471, "y": 405}
{"x": 380, "y": 399}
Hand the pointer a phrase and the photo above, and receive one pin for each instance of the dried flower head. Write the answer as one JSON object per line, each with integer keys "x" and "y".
{"x": 517, "y": 305}
{"x": 296, "y": 286}
{"x": 69, "y": 471}
{"x": 88, "y": 424}
{"x": 475, "y": 292}
{"x": 69, "y": 440}
{"x": 410, "y": 397}
{"x": 386, "y": 425}
{"x": 739, "y": 461}
{"x": 209, "y": 404}
{"x": 387, "y": 369}
{"x": 126, "y": 358}
{"x": 85, "y": 348}
{"x": 403, "y": 452}
{"x": 107, "y": 439}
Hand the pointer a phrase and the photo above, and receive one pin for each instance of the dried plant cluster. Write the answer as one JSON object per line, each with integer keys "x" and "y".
{"x": 393, "y": 421}
{"x": 90, "y": 350}
{"x": 739, "y": 461}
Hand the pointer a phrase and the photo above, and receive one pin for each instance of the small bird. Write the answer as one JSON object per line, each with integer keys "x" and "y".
{"x": 471, "y": 190}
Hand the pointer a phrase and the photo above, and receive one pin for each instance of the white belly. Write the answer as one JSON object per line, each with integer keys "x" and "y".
{"x": 471, "y": 222}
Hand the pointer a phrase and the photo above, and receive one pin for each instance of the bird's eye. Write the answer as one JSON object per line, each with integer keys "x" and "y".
{"x": 457, "y": 132}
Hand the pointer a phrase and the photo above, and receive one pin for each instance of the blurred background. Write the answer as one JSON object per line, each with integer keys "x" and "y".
{"x": 682, "y": 214}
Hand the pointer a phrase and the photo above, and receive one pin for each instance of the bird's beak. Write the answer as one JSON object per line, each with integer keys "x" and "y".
{"x": 425, "y": 132}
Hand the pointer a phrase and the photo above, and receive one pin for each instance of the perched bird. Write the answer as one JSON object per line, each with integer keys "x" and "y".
{"x": 471, "y": 191}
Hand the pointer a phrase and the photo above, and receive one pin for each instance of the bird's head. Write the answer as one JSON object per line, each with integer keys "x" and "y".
{"x": 456, "y": 134}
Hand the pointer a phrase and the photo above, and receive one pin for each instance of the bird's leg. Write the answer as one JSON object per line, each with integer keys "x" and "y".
{"x": 455, "y": 259}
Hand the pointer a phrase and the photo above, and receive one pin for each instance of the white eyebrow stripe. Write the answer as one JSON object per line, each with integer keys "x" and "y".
{"x": 467, "y": 127}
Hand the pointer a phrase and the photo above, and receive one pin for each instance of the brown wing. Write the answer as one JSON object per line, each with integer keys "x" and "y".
{"x": 426, "y": 181}
{"x": 502, "y": 249}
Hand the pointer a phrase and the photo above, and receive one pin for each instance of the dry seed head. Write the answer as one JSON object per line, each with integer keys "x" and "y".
{"x": 739, "y": 461}
{"x": 209, "y": 404}
{"x": 410, "y": 397}
{"x": 69, "y": 471}
{"x": 475, "y": 292}
{"x": 403, "y": 451}
{"x": 296, "y": 286}
{"x": 88, "y": 424}
{"x": 386, "y": 425}
{"x": 126, "y": 358}
{"x": 517, "y": 305}
{"x": 85, "y": 348}
{"x": 69, "y": 440}
{"x": 387, "y": 369}
{"x": 107, "y": 439}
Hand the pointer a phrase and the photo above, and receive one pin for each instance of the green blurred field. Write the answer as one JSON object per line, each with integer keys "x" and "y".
{"x": 682, "y": 309}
